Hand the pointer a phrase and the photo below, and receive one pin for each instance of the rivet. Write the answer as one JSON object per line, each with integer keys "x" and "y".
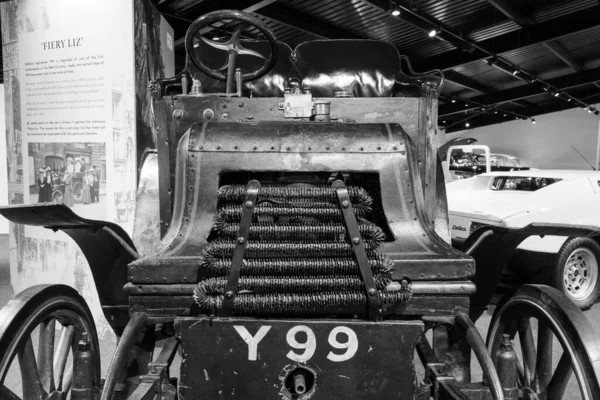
{"x": 272, "y": 147}
{"x": 185, "y": 278}
{"x": 177, "y": 114}
{"x": 362, "y": 148}
{"x": 380, "y": 310}
{"x": 193, "y": 131}
{"x": 343, "y": 148}
{"x": 200, "y": 147}
{"x": 395, "y": 147}
{"x": 422, "y": 275}
{"x": 235, "y": 147}
{"x": 249, "y": 204}
{"x": 378, "y": 147}
{"x": 439, "y": 274}
{"x": 164, "y": 279}
{"x": 345, "y": 203}
{"x": 241, "y": 240}
{"x": 288, "y": 148}
{"x": 327, "y": 148}
{"x": 416, "y": 218}
{"x": 241, "y": 104}
{"x": 208, "y": 113}
{"x": 309, "y": 148}
{"x": 225, "y": 115}
{"x": 371, "y": 292}
{"x": 229, "y": 294}
{"x": 254, "y": 148}
{"x": 356, "y": 240}
{"x": 147, "y": 279}
{"x": 218, "y": 147}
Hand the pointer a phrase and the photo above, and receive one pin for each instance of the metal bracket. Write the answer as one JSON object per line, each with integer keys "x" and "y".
{"x": 375, "y": 305}
{"x": 240, "y": 247}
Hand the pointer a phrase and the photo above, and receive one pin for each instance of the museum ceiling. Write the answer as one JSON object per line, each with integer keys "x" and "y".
{"x": 503, "y": 59}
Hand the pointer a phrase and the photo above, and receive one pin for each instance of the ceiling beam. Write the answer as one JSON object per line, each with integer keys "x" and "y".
{"x": 559, "y": 51}
{"x": 564, "y": 82}
{"x": 512, "y": 11}
{"x": 192, "y": 12}
{"x": 465, "y": 81}
{"x": 305, "y": 23}
{"x": 538, "y": 33}
{"x": 533, "y": 112}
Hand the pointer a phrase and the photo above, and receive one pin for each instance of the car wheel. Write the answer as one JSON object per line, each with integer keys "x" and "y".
{"x": 575, "y": 271}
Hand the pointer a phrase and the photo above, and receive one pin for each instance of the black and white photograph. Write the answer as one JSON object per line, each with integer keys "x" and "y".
{"x": 73, "y": 174}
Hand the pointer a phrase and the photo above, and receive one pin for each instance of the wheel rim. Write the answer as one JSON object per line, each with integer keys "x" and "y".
{"x": 38, "y": 362}
{"x": 557, "y": 322}
{"x": 580, "y": 274}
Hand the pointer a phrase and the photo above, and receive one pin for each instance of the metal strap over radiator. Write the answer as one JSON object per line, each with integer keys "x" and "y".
{"x": 283, "y": 250}
{"x": 375, "y": 308}
{"x": 240, "y": 247}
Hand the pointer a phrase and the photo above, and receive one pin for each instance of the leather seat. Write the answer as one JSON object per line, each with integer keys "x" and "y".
{"x": 364, "y": 68}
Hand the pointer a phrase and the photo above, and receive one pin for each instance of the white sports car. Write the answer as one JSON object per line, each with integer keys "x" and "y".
{"x": 515, "y": 199}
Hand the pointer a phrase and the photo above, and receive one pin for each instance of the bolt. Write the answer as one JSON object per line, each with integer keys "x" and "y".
{"x": 371, "y": 292}
{"x": 177, "y": 114}
{"x": 249, "y": 204}
{"x": 241, "y": 104}
{"x": 225, "y": 115}
{"x": 241, "y": 240}
{"x": 208, "y": 113}
{"x": 229, "y": 294}
{"x": 356, "y": 240}
{"x": 345, "y": 203}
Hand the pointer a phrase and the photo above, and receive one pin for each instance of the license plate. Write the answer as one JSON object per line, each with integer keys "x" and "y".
{"x": 296, "y": 359}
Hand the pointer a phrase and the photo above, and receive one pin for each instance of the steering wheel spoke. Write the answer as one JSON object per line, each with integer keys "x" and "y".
{"x": 232, "y": 46}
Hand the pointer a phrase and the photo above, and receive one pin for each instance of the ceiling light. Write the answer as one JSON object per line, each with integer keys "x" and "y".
{"x": 546, "y": 88}
{"x": 454, "y": 100}
{"x": 395, "y": 9}
{"x": 443, "y": 122}
{"x": 569, "y": 99}
{"x": 533, "y": 80}
{"x": 466, "y": 104}
{"x": 590, "y": 110}
{"x": 432, "y": 33}
{"x": 505, "y": 115}
{"x": 516, "y": 72}
{"x": 495, "y": 112}
{"x": 467, "y": 124}
{"x": 556, "y": 94}
{"x": 532, "y": 121}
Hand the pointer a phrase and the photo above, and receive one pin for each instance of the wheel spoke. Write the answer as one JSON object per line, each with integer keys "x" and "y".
{"x": 557, "y": 385}
{"x": 7, "y": 394}
{"x": 543, "y": 365}
{"x": 527, "y": 347}
{"x": 67, "y": 379}
{"x": 32, "y": 386}
{"x": 46, "y": 354}
{"x": 62, "y": 353}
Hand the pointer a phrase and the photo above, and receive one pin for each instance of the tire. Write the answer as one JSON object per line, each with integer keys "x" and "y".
{"x": 575, "y": 271}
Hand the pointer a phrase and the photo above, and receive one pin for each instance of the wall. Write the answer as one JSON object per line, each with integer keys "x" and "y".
{"x": 3, "y": 180}
{"x": 545, "y": 144}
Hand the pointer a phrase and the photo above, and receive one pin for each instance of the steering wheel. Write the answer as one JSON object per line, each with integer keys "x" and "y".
{"x": 232, "y": 46}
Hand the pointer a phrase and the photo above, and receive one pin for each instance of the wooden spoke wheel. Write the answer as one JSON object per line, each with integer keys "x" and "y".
{"x": 558, "y": 353}
{"x": 40, "y": 330}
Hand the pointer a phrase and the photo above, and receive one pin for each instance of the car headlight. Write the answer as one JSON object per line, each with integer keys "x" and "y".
{"x": 476, "y": 225}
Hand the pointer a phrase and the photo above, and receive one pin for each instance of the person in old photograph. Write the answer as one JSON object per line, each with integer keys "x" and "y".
{"x": 68, "y": 198}
{"x": 42, "y": 184}
{"x": 96, "y": 186}
{"x": 87, "y": 184}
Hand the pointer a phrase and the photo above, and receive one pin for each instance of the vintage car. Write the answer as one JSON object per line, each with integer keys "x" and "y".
{"x": 518, "y": 198}
{"x": 466, "y": 161}
{"x": 291, "y": 241}
{"x": 58, "y": 188}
